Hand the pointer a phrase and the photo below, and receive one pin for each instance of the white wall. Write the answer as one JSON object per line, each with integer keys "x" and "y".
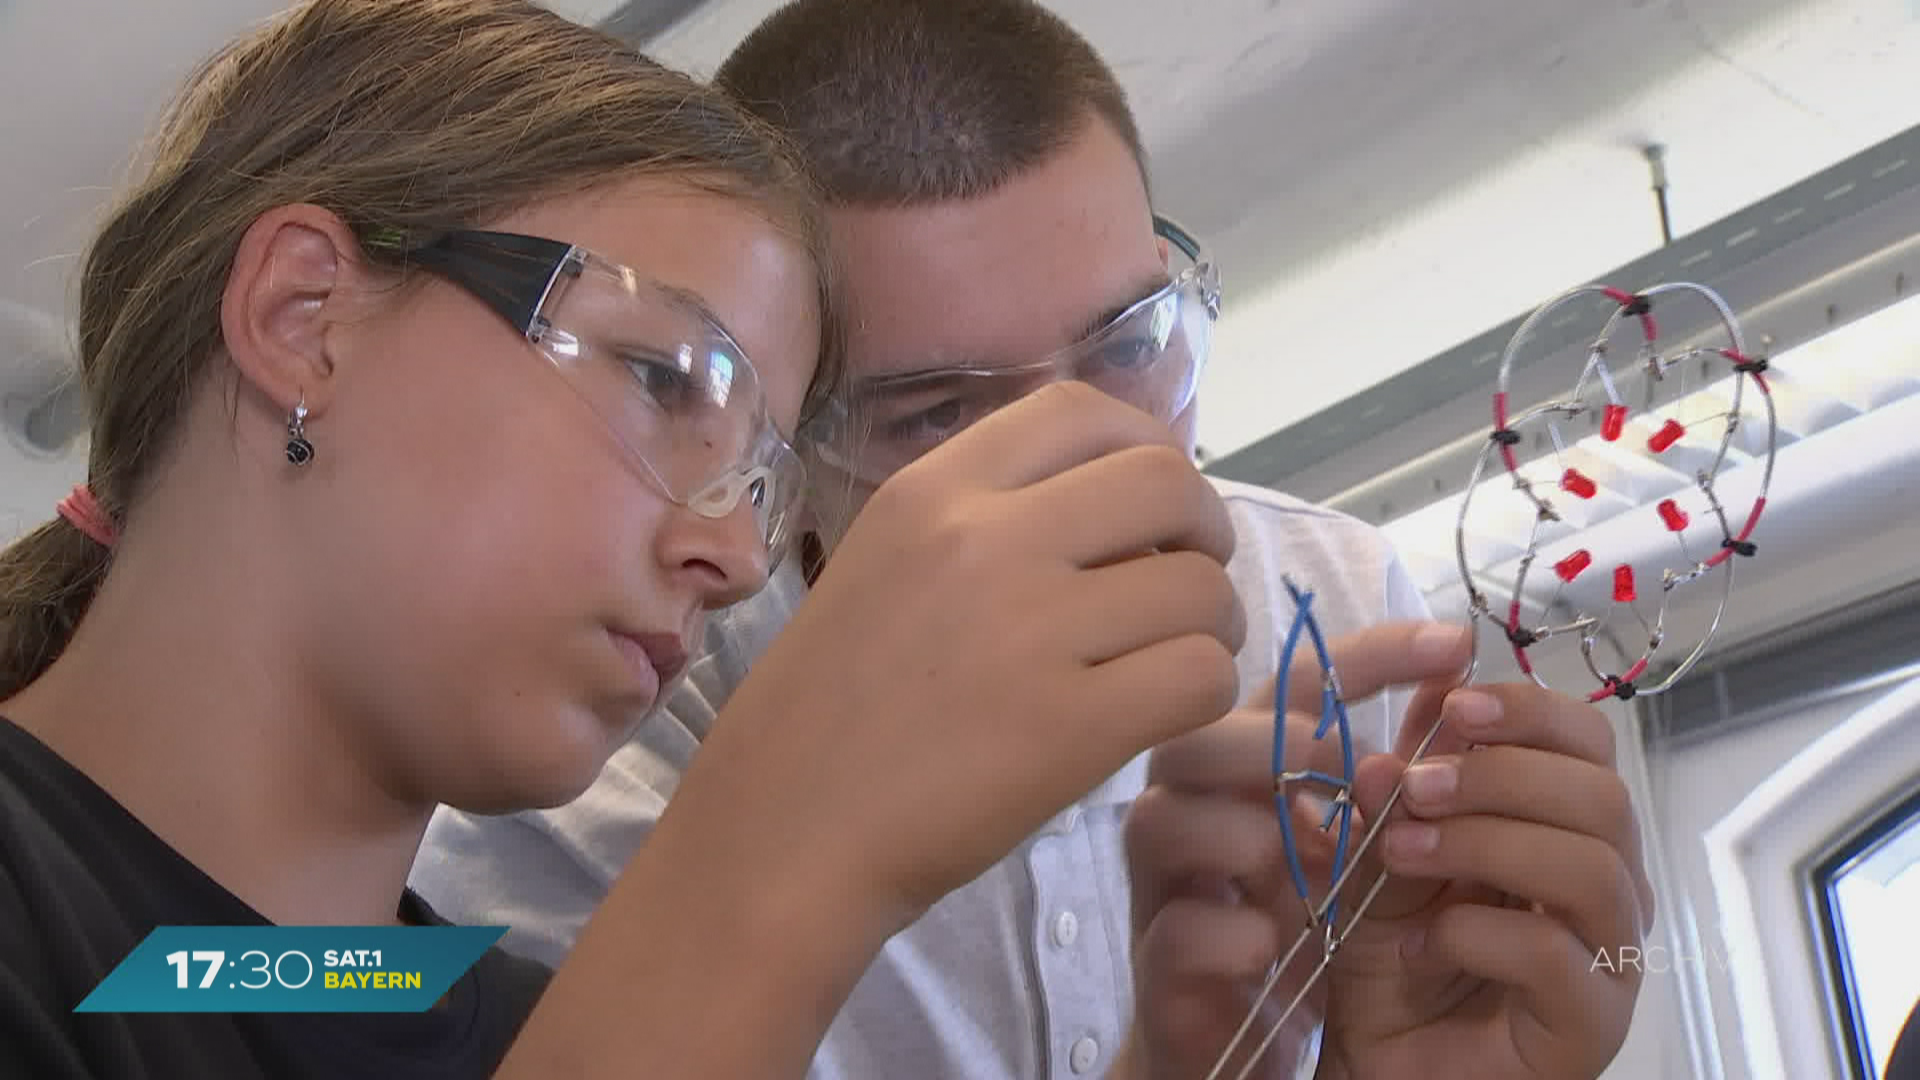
{"x": 1688, "y": 790}
{"x": 1760, "y": 856}
{"x": 1694, "y": 788}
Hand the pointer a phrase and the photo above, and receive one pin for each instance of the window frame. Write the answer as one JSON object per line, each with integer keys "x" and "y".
{"x": 1842, "y": 987}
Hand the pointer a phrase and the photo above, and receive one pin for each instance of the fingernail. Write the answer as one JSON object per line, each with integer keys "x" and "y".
{"x": 1433, "y": 644}
{"x": 1411, "y": 839}
{"x": 1430, "y": 782}
{"x": 1414, "y": 944}
{"x": 1472, "y": 709}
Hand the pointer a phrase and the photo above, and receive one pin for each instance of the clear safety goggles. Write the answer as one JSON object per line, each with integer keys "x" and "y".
{"x": 1150, "y": 357}
{"x": 672, "y": 387}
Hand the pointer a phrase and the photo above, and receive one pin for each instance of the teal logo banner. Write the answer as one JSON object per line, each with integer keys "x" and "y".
{"x": 259, "y": 969}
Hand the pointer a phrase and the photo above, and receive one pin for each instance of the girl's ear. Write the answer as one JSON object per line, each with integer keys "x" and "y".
{"x": 292, "y": 277}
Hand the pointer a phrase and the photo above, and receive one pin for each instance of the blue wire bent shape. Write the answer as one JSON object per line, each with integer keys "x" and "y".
{"x": 1333, "y": 713}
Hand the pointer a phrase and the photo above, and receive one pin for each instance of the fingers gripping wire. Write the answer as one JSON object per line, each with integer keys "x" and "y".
{"x": 1320, "y": 917}
{"x": 1705, "y": 439}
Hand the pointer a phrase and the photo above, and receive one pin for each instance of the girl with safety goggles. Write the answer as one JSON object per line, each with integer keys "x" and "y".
{"x": 444, "y": 366}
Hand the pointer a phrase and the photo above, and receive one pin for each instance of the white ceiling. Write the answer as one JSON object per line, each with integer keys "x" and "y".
{"x": 80, "y": 82}
{"x": 1380, "y": 179}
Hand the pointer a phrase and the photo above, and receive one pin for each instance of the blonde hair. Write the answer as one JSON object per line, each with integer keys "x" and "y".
{"x": 410, "y": 115}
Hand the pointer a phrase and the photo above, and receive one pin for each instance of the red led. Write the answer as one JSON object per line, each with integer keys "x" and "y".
{"x": 1571, "y": 566}
{"x": 1668, "y": 434}
{"x": 1675, "y": 517}
{"x": 1613, "y": 422}
{"x": 1623, "y": 584}
{"x": 1579, "y": 485}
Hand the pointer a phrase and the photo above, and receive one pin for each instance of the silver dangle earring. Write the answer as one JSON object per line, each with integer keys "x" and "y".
{"x": 299, "y": 450}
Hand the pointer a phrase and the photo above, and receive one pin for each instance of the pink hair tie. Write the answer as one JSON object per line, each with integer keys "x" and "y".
{"x": 83, "y": 510}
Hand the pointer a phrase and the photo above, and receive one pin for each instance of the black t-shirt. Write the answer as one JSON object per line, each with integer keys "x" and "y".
{"x": 82, "y": 882}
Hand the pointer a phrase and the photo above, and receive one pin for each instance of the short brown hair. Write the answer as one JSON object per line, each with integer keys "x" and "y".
{"x": 415, "y": 116}
{"x": 902, "y": 102}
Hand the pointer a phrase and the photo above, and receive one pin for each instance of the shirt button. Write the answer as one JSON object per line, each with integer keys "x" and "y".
{"x": 1085, "y": 1053}
{"x": 1066, "y": 930}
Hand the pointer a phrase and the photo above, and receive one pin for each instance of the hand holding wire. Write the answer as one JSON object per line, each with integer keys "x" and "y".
{"x": 1677, "y": 426}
